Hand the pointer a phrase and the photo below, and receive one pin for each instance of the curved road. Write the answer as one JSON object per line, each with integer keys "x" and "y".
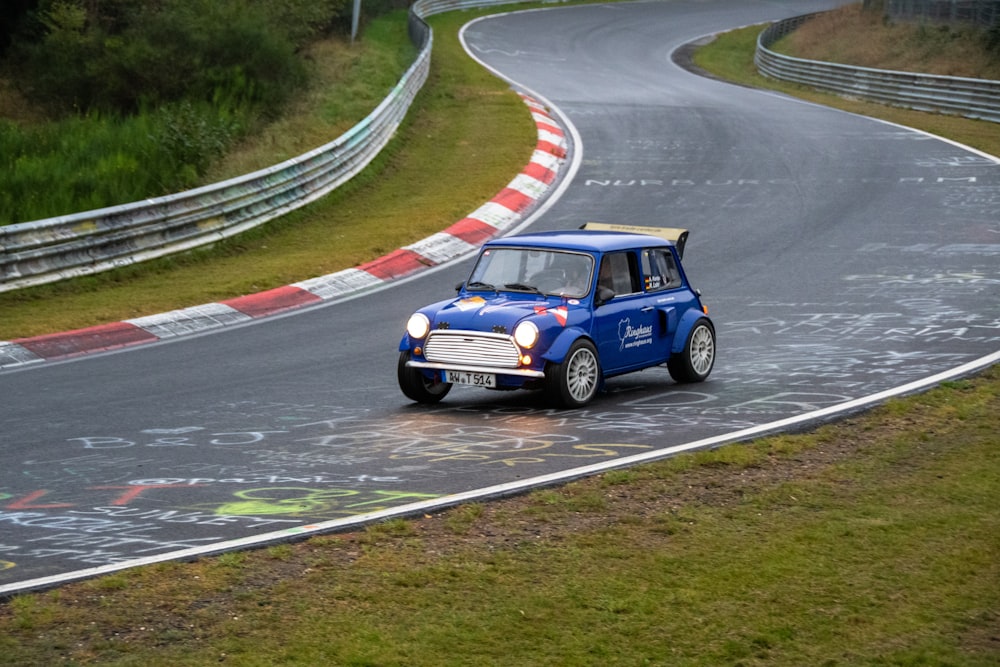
{"x": 841, "y": 257}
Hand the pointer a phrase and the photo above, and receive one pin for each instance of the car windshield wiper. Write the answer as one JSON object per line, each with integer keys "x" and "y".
{"x": 480, "y": 285}
{"x": 522, "y": 287}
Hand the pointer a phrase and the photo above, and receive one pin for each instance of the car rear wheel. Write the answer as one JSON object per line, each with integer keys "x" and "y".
{"x": 416, "y": 386}
{"x": 695, "y": 361}
{"x": 574, "y": 382}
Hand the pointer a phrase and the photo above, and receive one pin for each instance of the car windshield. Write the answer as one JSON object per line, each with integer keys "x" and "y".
{"x": 552, "y": 272}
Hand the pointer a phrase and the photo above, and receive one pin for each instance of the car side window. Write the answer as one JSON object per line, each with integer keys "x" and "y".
{"x": 619, "y": 272}
{"x": 659, "y": 269}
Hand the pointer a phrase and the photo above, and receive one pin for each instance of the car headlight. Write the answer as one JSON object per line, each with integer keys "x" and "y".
{"x": 526, "y": 334}
{"x": 418, "y": 325}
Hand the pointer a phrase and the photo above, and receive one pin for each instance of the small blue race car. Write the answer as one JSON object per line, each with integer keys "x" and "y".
{"x": 560, "y": 312}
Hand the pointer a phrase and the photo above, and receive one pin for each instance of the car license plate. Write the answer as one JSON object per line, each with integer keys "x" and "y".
{"x": 475, "y": 379}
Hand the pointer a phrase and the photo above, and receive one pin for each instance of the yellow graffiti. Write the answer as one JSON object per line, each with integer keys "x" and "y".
{"x": 483, "y": 450}
{"x": 297, "y": 500}
{"x": 6, "y": 565}
{"x": 518, "y": 460}
{"x": 589, "y": 452}
{"x": 600, "y": 450}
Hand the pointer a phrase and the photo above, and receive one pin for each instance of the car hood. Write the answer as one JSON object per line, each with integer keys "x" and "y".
{"x": 500, "y": 313}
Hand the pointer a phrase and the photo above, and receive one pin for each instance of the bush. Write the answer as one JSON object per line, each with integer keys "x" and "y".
{"x": 991, "y": 40}
{"x": 121, "y": 55}
{"x": 146, "y": 94}
{"x": 192, "y": 136}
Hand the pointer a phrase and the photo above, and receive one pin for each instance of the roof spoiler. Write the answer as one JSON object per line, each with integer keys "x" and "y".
{"x": 678, "y": 236}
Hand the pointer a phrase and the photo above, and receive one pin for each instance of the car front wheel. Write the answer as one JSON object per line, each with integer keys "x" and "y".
{"x": 416, "y": 386}
{"x": 574, "y": 382}
{"x": 695, "y": 361}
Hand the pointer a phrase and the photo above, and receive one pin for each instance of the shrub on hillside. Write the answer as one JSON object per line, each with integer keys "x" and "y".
{"x": 144, "y": 94}
{"x": 991, "y": 40}
{"x": 192, "y": 136}
{"x": 121, "y": 55}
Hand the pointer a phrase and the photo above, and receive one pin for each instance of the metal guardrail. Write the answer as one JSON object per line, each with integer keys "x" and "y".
{"x": 43, "y": 251}
{"x": 972, "y": 98}
{"x": 83, "y": 243}
{"x": 431, "y": 7}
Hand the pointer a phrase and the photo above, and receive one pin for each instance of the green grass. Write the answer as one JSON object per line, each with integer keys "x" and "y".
{"x": 133, "y": 145}
{"x": 350, "y": 80}
{"x": 97, "y": 161}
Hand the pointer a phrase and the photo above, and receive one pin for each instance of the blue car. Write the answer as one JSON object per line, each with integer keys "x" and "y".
{"x": 560, "y": 312}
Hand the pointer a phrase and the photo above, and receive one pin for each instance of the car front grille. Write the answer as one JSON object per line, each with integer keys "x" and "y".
{"x": 471, "y": 348}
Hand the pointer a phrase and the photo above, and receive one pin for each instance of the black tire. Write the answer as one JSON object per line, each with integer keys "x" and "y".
{"x": 574, "y": 382}
{"x": 695, "y": 361}
{"x": 416, "y": 386}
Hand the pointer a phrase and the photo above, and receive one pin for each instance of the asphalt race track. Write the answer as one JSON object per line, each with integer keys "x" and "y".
{"x": 841, "y": 258}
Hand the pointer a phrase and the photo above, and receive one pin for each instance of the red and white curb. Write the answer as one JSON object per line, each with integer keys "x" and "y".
{"x": 505, "y": 210}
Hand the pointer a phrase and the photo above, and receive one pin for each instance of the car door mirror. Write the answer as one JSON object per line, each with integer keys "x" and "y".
{"x": 604, "y": 294}
{"x": 458, "y": 287}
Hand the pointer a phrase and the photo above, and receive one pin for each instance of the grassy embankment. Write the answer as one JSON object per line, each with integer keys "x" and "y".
{"x": 851, "y": 37}
{"x": 868, "y": 542}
